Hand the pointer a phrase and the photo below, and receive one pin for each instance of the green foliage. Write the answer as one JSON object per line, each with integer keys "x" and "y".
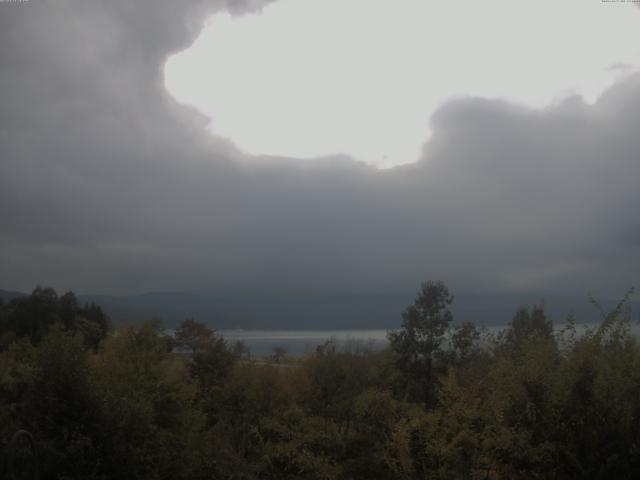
{"x": 193, "y": 336}
{"x": 146, "y": 405}
{"x": 527, "y": 324}
{"x": 464, "y": 342}
{"x": 32, "y": 317}
{"x": 124, "y": 404}
{"x": 416, "y": 344}
{"x": 211, "y": 364}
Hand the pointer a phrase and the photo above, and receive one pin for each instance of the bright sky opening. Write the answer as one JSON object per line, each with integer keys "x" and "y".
{"x": 310, "y": 78}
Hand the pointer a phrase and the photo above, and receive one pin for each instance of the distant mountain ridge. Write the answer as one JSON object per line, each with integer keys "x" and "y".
{"x": 337, "y": 311}
{"x": 8, "y": 295}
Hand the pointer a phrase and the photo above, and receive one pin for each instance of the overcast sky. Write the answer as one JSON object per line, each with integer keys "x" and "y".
{"x": 108, "y": 184}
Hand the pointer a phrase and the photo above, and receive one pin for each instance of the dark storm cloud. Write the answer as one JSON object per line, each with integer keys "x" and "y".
{"x": 107, "y": 185}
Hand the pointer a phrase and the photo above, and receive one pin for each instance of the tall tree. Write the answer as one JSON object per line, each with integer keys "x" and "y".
{"x": 464, "y": 341}
{"x": 424, "y": 325}
{"x": 527, "y": 324}
{"x": 194, "y": 336}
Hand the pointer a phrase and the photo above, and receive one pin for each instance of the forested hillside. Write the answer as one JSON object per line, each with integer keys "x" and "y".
{"x": 443, "y": 401}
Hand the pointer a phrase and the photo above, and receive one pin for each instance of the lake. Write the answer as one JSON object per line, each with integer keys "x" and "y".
{"x": 298, "y": 342}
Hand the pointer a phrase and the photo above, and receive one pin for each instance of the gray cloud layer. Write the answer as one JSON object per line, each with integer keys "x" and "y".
{"x": 106, "y": 184}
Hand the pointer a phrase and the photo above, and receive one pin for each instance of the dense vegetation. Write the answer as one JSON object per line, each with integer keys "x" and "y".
{"x": 440, "y": 402}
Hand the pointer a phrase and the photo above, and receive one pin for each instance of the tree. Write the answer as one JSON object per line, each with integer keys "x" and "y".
{"x": 279, "y": 352}
{"x": 61, "y": 408}
{"x": 32, "y": 316}
{"x": 68, "y": 308}
{"x": 194, "y": 336}
{"x": 527, "y": 324}
{"x": 211, "y": 364}
{"x": 35, "y": 315}
{"x": 240, "y": 348}
{"x": 93, "y": 323}
{"x": 424, "y": 325}
{"x": 146, "y": 403}
{"x": 464, "y": 341}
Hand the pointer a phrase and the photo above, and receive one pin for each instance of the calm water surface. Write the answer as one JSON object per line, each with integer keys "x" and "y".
{"x": 299, "y": 342}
